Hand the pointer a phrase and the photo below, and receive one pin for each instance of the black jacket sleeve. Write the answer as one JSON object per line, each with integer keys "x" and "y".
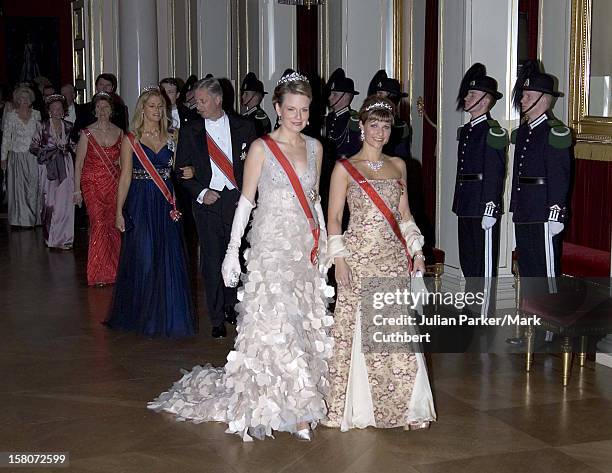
{"x": 558, "y": 170}
{"x": 494, "y": 173}
{"x": 185, "y": 150}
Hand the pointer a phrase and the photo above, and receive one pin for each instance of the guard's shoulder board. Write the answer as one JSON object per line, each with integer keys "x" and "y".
{"x": 403, "y": 126}
{"x": 354, "y": 120}
{"x": 560, "y": 136}
{"x": 513, "y": 136}
{"x": 261, "y": 115}
{"x": 497, "y": 138}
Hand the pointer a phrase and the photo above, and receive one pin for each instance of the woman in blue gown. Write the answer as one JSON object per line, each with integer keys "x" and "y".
{"x": 152, "y": 294}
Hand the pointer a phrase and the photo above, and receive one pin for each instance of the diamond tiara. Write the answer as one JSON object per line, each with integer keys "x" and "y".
{"x": 384, "y": 105}
{"x": 294, "y": 76}
{"x": 149, "y": 88}
{"x": 54, "y": 98}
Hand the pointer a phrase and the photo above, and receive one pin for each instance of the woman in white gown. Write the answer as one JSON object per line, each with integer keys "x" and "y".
{"x": 379, "y": 388}
{"x": 276, "y": 376}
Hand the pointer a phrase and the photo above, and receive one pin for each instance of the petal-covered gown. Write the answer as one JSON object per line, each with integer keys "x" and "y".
{"x": 276, "y": 375}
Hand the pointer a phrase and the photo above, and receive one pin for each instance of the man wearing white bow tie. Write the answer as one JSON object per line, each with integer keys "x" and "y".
{"x": 215, "y": 146}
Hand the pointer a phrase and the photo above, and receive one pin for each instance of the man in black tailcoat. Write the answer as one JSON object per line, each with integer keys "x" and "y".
{"x": 215, "y": 189}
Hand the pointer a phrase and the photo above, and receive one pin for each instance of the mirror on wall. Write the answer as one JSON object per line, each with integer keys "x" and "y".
{"x": 600, "y": 74}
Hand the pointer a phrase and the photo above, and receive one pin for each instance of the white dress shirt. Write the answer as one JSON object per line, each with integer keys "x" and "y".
{"x": 219, "y": 131}
{"x": 71, "y": 115}
{"x": 176, "y": 120}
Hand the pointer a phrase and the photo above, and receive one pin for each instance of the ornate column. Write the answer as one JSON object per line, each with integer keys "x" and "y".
{"x": 277, "y": 47}
{"x": 138, "y": 48}
{"x": 362, "y": 39}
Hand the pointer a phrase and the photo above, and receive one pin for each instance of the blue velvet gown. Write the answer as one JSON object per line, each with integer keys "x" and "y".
{"x": 152, "y": 293}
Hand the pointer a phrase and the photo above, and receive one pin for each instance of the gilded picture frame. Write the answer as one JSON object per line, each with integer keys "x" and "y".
{"x": 588, "y": 129}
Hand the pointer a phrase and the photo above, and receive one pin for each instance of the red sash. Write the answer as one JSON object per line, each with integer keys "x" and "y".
{"x": 157, "y": 179}
{"x": 380, "y": 203}
{"x": 221, "y": 160}
{"x": 299, "y": 192}
{"x": 111, "y": 167}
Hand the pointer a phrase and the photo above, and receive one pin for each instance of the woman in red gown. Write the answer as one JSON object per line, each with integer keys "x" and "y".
{"x": 96, "y": 178}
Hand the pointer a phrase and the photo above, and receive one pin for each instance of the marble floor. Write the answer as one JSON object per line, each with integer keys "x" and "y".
{"x": 68, "y": 384}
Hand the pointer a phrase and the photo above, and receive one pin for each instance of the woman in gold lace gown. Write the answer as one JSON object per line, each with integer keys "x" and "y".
{"x": 378, "y": 389}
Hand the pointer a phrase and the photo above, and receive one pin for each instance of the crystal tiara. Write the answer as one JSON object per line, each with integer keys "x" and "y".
{"x": 294, "y": 76}
{"x": 384, "y": 105}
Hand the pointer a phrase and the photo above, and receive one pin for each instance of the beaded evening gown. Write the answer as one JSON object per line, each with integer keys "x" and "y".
{"x": 99, "y": 182}
{"x": 276, "y": 375}
{"x": 373, "y": 389}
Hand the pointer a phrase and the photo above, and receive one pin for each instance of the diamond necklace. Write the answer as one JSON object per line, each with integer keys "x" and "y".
{"x": 375, "y": 165}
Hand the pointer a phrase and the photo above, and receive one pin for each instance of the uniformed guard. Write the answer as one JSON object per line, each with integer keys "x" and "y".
{"x": 341, "y": 129}
{"x": 479, "y": 186}
{"x": 399, "y": 141}
{"x": 251, "y": 94}
{"x": 541, "y": 178}
{"x": 342, "y": 122}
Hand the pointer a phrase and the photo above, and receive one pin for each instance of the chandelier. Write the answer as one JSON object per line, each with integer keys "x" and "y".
{"x": 307, "y": 3}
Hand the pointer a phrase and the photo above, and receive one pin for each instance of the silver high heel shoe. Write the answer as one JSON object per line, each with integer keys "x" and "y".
{"x": 304, "y": 435}
{"x": 418, "y": 426}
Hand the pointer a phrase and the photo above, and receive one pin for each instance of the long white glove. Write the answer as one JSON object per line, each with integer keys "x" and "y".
{"x": 230, "y": 268}
{"x": 487, "y": 222}
{"x": 335, "y": 247}
{"x": 555, "y": 227}
{"x": 320, "y": 220}
{"x": 411, "y": 233}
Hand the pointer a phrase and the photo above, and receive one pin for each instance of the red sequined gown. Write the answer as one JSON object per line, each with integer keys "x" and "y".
{"x": 99, "y": 189}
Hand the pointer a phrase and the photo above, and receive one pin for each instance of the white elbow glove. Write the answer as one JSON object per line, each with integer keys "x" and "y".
{"x": 555, "y": 227}
{"x": 412, "y": 235}
{"x": 323, "y": 229}
{"x": 487, "y": 222}
{"x": 230, "y": 268}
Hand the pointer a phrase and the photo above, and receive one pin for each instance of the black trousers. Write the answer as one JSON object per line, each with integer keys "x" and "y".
{"x": 214, "y": 224}
{"x": 539, "y": 253}
{"x": 479, "y": 257}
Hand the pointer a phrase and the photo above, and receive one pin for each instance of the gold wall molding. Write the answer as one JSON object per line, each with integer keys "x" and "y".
{"x": 79, "y": 63}
{"x": 398, "y": 40}
{"x": 593, "y": 151}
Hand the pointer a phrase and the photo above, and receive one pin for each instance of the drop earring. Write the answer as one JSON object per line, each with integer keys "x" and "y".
{"x": 362, "y": 137}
